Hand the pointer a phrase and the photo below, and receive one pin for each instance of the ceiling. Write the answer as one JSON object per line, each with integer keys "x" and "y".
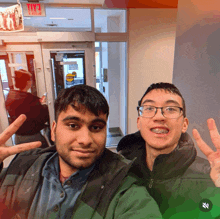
{"x": 111, "y": 3}
{"x": 141, "y": 3}
{"x": 81, "y": 2}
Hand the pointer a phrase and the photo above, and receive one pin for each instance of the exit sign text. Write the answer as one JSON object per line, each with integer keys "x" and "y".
{"x": 33, "y": 9}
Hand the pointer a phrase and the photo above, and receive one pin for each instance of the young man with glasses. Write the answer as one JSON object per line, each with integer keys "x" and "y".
{"x": 166, "y": 157}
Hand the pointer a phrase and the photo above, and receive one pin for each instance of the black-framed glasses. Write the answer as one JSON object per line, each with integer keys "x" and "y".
{"x": 170, "y": 112}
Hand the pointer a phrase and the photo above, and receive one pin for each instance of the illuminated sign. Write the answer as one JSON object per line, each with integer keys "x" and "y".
{"x": 70, "y": 77}
{"x": 11, "y": 19}
{"x": 33, "y": 9}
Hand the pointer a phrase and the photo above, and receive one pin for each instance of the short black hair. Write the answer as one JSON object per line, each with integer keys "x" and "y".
{"x": 79, "y": 96}
{"x": 171, "y": 88}
{"x": 21, "y": 78}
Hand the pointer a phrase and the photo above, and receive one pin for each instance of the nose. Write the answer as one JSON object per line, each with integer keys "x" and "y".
{"x": 159, "y": 115}
{"x": 84, "y": 137}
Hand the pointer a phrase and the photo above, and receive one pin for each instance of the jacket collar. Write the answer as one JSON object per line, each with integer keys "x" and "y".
{"x": 166, "y": 165}
{"x": 175, "y": 163}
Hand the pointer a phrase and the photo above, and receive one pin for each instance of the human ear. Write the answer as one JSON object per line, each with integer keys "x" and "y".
{"x": 185, "y": 125}
{"x": 53, "y": 130}
{"x": 138, "y": 123}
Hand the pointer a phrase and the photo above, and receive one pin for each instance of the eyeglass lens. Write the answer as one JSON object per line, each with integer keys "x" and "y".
{"x": 168, "y": 112}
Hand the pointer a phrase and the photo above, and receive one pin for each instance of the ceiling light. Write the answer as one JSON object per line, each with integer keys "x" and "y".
{"x": 57, "y": 18}
{"x": 52, "y": 25}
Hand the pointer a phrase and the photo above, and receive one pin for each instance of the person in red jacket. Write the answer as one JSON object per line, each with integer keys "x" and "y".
{"x": 19, "y": 102}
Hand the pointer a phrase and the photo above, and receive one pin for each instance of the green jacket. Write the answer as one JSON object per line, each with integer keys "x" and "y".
{"x": 179, "y": 181}
{"x": 111, "y": 190}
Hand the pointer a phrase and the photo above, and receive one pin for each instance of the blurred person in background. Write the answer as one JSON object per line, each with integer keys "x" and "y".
{"x": 22, "y": 102}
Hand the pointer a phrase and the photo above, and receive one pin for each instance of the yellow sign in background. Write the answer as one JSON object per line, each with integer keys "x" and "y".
{"x": 70, "y": 77}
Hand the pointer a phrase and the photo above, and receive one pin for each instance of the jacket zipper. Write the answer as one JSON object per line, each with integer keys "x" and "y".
{"x": 151, "y": 183}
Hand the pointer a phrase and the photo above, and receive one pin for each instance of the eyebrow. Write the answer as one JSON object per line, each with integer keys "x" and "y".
{"x": 148, "y": 101}
{"x": 69, "y": 118}
{"x": 167, "y": 102}
{"x": 173, "y": 101}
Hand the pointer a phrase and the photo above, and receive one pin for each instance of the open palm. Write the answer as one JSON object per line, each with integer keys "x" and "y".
{"x": 212, "y": 156}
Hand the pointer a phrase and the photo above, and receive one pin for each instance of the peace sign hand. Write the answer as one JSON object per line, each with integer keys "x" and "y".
{"x": 6, "y": 151}
{"x": 212, "y": 156}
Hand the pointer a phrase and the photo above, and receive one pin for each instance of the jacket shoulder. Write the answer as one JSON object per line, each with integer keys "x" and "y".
{"x": 134, "y": 202}
{"x": 200, "y": 167}
{"x": 129, "y": 142}
{"x": 198, "y": 174}
{"x": 23, "y": 161}
{"x": 110, "y": 180}
{"x": 111, "y": 162}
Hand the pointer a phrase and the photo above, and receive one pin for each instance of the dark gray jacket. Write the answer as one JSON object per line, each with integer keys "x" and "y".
{"x": 111, "y": 190}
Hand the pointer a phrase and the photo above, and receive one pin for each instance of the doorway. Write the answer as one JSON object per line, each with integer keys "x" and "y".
{"x": 68, "y": 69}
{"x": 111, "y": 81}
{"x": 67, "y": 64}
{"x": 12, "y": 58}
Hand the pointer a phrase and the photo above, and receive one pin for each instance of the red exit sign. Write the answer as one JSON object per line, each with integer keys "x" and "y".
{"x": 33, "y": 9}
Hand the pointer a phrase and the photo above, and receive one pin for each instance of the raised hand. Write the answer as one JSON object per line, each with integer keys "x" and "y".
{"x": 212, "y": 156}
{"x": 6, "y": 151}
{"x": 43, "y": 100}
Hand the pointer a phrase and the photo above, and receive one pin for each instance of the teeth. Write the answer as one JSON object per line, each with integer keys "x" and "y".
{"x": 159, "y": 131}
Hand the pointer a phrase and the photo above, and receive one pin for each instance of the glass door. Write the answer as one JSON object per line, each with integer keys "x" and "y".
{"x": 67, "y": 65}
{"x": 111, "y": 80}
{"x": 68, "y": 69}
{"x": 15, "y": 57}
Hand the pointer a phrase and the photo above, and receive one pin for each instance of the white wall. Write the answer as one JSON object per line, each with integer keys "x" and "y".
{"x": 150, "y": 53}
{"x": 113, "y": 24}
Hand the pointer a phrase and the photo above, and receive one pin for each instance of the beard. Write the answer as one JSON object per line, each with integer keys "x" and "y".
{"x": 72, "y": 163}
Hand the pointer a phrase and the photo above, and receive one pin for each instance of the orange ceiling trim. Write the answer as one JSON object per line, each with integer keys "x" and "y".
{"x": 141, "y": 3}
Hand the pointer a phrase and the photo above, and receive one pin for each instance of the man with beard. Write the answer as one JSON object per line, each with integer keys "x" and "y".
{"x": 79, "y": 177}
{"x": 167, "y": 160}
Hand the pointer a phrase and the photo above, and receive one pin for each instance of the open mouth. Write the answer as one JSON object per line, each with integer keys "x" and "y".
{"x": 160, "y": 130}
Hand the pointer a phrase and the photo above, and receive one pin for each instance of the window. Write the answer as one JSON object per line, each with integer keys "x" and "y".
{"x": 107, "y": 21}
{"x": 60, "y": 19}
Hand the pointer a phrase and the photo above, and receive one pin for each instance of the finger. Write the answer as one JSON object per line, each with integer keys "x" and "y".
{"x": 4, "y": 136}
{"x": 214, "y": 133}
{"x": 21, "y": 148}
{"x": 201, "y": 144}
